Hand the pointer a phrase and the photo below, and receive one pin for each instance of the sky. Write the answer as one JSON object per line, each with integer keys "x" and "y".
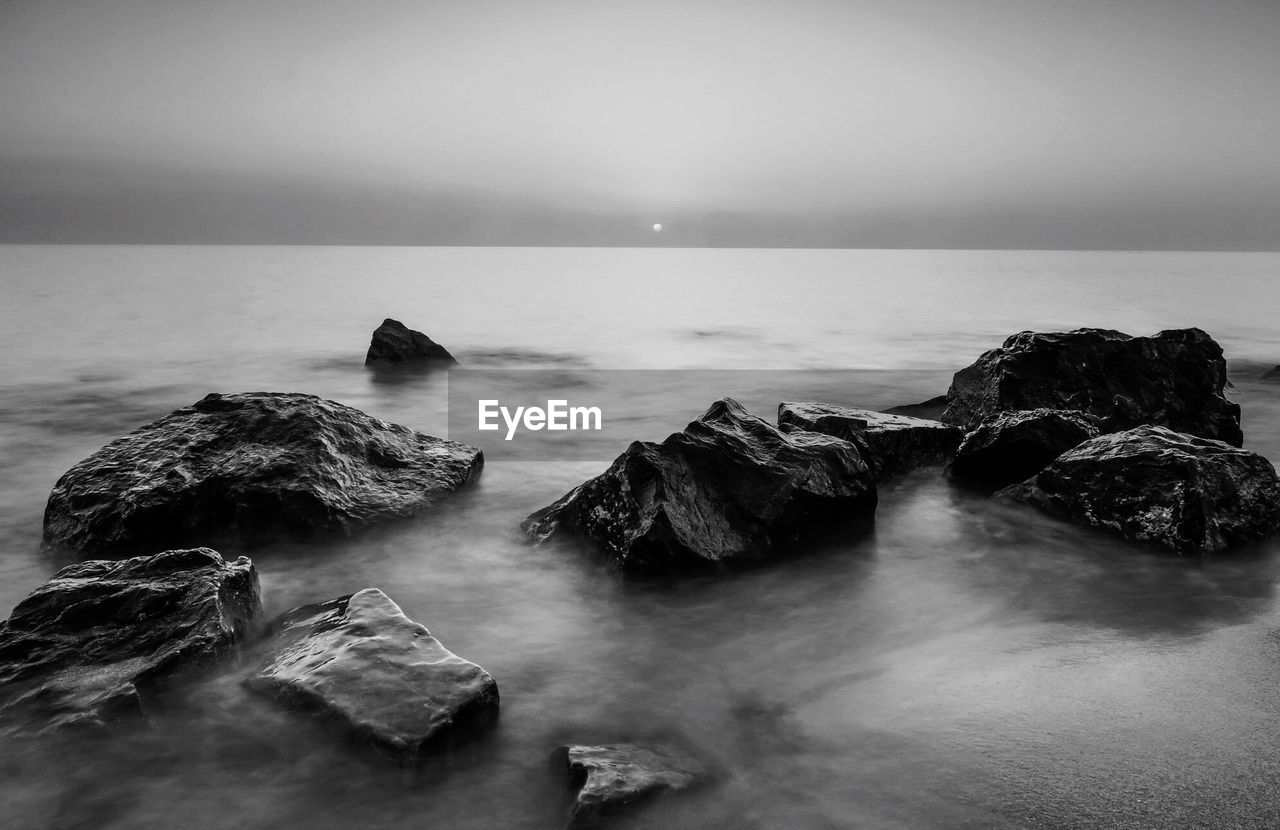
{"x": 1096, "y": 124}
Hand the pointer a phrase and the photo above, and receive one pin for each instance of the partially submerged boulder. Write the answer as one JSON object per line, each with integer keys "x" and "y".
{"x": 361, "y": 661}
{"x": 930, "y": 410}
{"x": 894, "y": 444}
{"x": 1173, "y": 379}
{"x": 394, "y": 342}
{"x": 88, "y": 646}
{"x": 1013, "y": 446}
{"x": 731, "y": 486}
{"x": 251, "y": 468}
{"x": 1151, "y": 484}
{"x": 1271, "y": 376}
{"x": 609, "y": 778}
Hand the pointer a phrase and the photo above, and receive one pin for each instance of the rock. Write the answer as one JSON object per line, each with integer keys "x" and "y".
{"x": 1272, "y": 376}
{"x": 361, "y": 661}
{"x": 894, "y": 444}
{"x": 930, "y": 410}
{"x": 731, "y": 486}
{"x": 251, "y": 468}
{"x": 394, "y": 342}
{"x": 1013, "y": 446}
{"x": 1173, "y": 379}
{"x": 1151, "y": 484}
{"x": 90, "y": 645}
{"x": 609, "y": 778}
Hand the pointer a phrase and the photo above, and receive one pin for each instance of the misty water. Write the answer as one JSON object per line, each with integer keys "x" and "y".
{"x": 965, "y": 663}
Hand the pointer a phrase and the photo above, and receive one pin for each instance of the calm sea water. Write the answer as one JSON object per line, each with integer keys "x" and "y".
{"x": 968, "y": 664}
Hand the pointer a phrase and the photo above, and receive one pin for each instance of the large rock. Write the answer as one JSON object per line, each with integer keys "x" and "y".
{"x": 251, "y": 468}
{"x": 609, "y": 778}
{"x": 361, "y": 661}
{"x": 731, "y": 486}
{"x": 894, "y": 444}
{"x": 88, "y": 646}
{"x": 394, "y": 342}
{"x": 1151, "y": 484}
{"x": 1013, "y": 446}
{"x": 1172, "y": 379}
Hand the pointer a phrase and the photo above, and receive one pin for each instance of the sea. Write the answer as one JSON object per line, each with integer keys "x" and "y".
{"x": 966, "y": 664}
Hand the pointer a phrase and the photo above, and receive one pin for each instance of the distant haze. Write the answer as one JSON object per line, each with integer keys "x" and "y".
{"x": 1130, "y": 124}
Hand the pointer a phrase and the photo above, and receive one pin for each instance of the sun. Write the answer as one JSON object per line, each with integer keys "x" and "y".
{"x": 657, "y": 227}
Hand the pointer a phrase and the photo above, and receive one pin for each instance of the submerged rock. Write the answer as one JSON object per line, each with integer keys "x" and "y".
{"x": 609, "y": 778}
{"x": 361, "y": 661}
{"x": 731, "y": 486}
{"x": 894, "y": 444}
{"x": 250, "y": 468}
{"x": 930, "y": 410}
{"x": 394, "y": 342}
{"x": 1013, "y": 446}
{"x": 1151, "y": 484}
{"x": 1173, "y": 379}
{"x": 1272, "y": 376}
{"x": 86, "y": 647}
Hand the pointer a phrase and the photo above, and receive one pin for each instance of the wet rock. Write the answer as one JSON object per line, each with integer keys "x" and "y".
{"x": 359, "y": 660}
{"x": 394, "y": 342}
{"x": 1013, "y": 446}
{"x": 731, "y": 486}
{"x": 90, "y": 645}
{"x": 1173, "y": 379}
{"x": 251, "y": 468}
{"x": 1150, "y": 484}
{"x": 1272, "y": 376}
{"x": 893, "y": 444}
{"x": 609, "y": 778}
{"x": 930, "y": 410}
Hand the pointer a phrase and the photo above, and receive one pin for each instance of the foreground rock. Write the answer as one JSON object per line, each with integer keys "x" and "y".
{"x": 1173, "y": 379}
{"x": 1150, "y": 484}
{"x": 360, "y": 660}
{"x": 609, "y": 778}
{"x": 87, "y": 647}
{"x": 1013, "y": 446}
{"x": 731, "y": 486}
{"x": 251, "y": 468}
{"x": 394, "y": 342}
{"x": 894, "y": 444}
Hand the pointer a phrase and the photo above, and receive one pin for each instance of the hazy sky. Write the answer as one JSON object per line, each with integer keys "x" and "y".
{"x": 958, "y": 123}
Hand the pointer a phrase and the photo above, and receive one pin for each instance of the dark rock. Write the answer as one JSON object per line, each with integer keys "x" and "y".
{"x": 90, "y": 645}
{"x": 608, "y": 778}
{"x": 930, "y": 410}
{"x": 1151, "y": 484}
{"x": 731, "y": 486}
{"x": 1013, "y": 446}
{"x": 251, "y": 468}
{"x": 361, "y": 661}
{"x": 1174, "y": 379}
{"x": 893, "y": 444}
{"x": 1272, "y": 376}
{"x": 394, "y": 342}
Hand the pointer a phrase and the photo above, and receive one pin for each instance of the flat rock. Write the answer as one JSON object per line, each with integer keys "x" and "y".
{"x": 1150, "y": 484}
{"x": 359, "y": 660}
{"x": 394, "y": 342}
{"x": 730, "y": 487}
{"x": 894, "y": 444}
{"x": 1013, "y": 446}
{"x": 90, "y": 645}
{"x": 609, "y": 778}
{"x": 1173, "y": 379}
{"x": 251, "y": 468}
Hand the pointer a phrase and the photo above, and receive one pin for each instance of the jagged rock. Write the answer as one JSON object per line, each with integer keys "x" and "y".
{"x": 1272, "y": 376}
{"x": 394, "y": 342}
{"x": 1173, "y": 379}
{"x": 608, "y": 778}
{"x": 731, "y": 486}
{"x": 1150, "y": 484}
{"x": 894, "y": 444}
{"x": 1013, "y": 446}
{"x": 360, "y": 660}
{"x": 90, "y": 645}
{"x": 251, "y": 468}
{"x": 930, "y": 410}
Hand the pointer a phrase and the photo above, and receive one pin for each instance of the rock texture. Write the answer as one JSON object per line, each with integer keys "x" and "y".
{"x": 893, "y": 444}
{"x": 361, "y": 661}
{"x": 731, "y": 486}
{"x": 251, "y": 468}
{"x": 1173, "y": 379}
{"x": 1013, "y": 446}
{"x": 394, "y": 342}
{"x": 1151, "y": 484}
{"x": 86, "y": 647}
{"x": 608, "y": 778}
